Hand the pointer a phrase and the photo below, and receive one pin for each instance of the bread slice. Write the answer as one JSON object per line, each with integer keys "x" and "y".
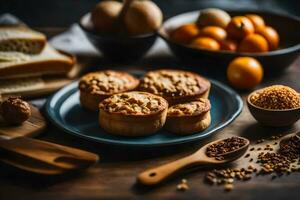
{"x": 21, "y": 39}
{"x": 32, "y": 86}
{"x": 49, "y": 61}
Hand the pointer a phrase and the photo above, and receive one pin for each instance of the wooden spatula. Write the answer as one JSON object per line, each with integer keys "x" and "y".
{"x": 28, "y": 164}
{"x": 63, "y": 157}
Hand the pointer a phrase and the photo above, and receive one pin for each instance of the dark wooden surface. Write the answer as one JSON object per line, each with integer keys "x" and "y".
{"x": 115, "y": 175}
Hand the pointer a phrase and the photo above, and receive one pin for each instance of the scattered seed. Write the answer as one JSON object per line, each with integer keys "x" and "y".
{"x": 228, "y": 187}
{"x": 183, "y": 186}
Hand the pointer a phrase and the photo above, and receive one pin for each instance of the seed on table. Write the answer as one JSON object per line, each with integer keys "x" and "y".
{"x": 228, "y": 187}
{"x": 247, "y": 177}
{"x": 230, "y": 180}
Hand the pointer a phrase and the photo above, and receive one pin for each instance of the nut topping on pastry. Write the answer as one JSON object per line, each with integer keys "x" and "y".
{"x": 133, "y": 103}
{"x": 175, "y": 85}
{"x": 191, "y": 108}
{"x": 106, "y": 82}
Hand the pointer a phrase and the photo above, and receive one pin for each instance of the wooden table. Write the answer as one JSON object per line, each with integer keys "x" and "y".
{"x": 115, "y": 175}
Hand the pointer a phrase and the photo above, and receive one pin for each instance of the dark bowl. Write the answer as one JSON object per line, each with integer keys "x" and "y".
{"x": 117, "y": 48}
{"x": 288, "y": 28}
{"x": 273, "y": 118}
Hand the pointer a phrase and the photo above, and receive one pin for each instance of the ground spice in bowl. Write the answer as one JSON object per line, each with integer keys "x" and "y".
{"x": 276, "y": 97}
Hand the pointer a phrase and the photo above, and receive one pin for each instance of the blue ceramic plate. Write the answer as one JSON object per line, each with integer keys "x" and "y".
{"x": 64, "y": 110}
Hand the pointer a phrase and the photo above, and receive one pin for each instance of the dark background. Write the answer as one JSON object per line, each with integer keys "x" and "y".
{"x": 62, "y": 13}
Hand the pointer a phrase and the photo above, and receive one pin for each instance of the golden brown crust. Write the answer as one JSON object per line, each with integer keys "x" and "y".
{"x": 193, "y": 108}
{"x": 188, "y": 124}
{"x": 176, "y": 86}
{"x": 133, "y": 113}
{"x": 97, "y": 86}
{"x": 188, "y": 118}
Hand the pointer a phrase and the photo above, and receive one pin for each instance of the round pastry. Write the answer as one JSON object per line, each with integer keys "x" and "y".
{"x": 15, "y": 111}
{"x": 133, "y": 113}
{"x": 97, "y": 86}
{"x": 175, "y": 86}
{"x": 188, "y": 118}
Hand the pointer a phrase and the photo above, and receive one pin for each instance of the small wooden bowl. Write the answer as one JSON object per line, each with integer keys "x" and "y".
{"x": 117, "y": 48}
{"x": 270, "y": 117}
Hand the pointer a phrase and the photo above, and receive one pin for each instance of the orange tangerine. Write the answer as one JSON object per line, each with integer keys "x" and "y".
{"x": 244, "y": 72}
{"x": 205, "y": 43}
{"x": 185, "y": 33}
{"x": 239, "y": 27}
{"x": 214, "y": 32}
{"x": 271, "y": 35}
{"x": 253, "y": 43}
{"x": 257, "y": 21}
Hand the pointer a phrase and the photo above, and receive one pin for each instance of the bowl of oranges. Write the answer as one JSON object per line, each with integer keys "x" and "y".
{"x": 214, "y": 37}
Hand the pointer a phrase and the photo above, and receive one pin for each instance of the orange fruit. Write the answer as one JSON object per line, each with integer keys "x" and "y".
{"x": 205, "y": 43}
{"x": 239, "y": 27}
{"x": 244, "y": 72}
{"x": 214, "y": 32}
{"x": 185, "y": 33}
{"x": 228, "y": 45}
{"x": 257, "y": 21}
{"x": 253, "y": 43}
{"x": 271, "y": 35}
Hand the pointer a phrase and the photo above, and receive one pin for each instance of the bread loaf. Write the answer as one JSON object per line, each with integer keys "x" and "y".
{"x": 49, "y": 61}
{"x": 21, "y": 39}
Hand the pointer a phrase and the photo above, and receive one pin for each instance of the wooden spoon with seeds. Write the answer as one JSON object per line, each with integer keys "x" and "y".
{"x": 284, "y": 140}
{"x": 157, "y": 175}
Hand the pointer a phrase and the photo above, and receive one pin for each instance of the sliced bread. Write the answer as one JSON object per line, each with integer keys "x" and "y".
{"x": 21, "y": 39}
{"x": 49, "y": 61}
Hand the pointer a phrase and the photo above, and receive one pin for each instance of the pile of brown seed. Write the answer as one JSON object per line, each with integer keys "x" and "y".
{"x": 224, "y": 146}
{"x": 277, "y": 97}
{"x": 285, "y": 160}
{"x": 291, "y": 148}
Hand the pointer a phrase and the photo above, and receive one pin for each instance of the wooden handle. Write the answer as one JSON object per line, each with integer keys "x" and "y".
{"x": 157, "y": 175}
{"x": 54, "y": 154}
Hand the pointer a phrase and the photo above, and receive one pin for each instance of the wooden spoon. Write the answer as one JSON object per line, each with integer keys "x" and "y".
{"x": 64, "y": 157}
{"x": 157, "y": 175}
{"x": 284, "y": 140}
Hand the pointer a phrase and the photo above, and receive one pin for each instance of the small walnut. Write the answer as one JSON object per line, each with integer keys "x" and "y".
{"x": 15, "y": 111}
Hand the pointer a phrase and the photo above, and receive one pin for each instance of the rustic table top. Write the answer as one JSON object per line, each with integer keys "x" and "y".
{"x": 114, "y": 177}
